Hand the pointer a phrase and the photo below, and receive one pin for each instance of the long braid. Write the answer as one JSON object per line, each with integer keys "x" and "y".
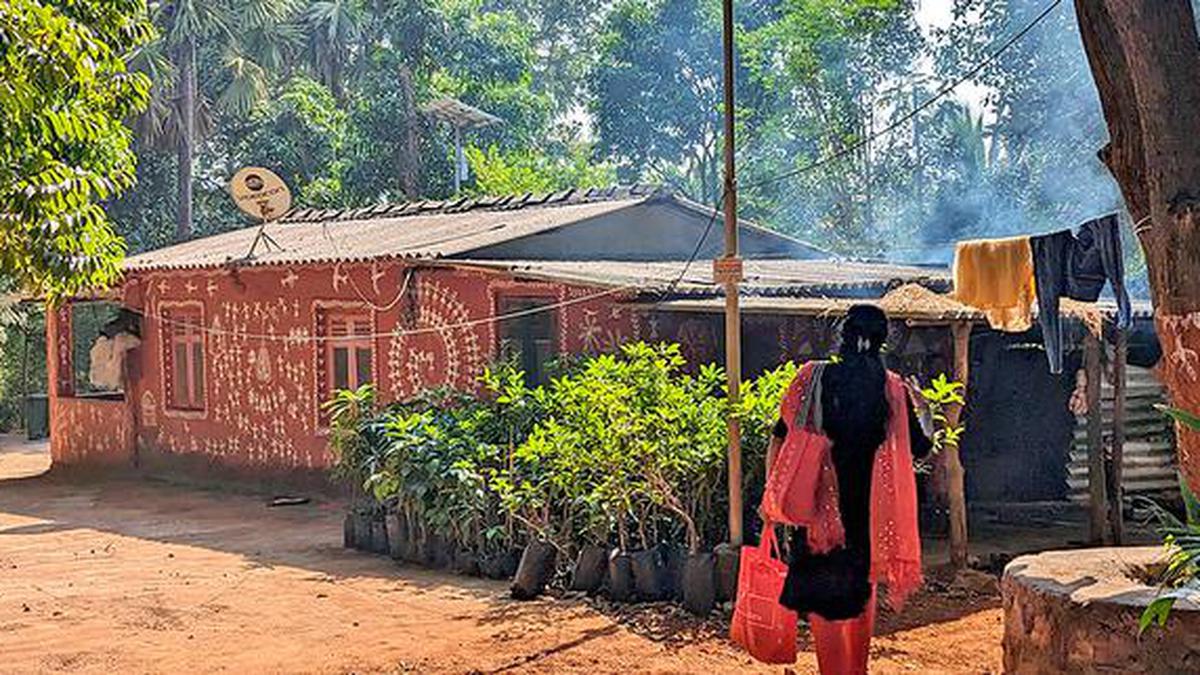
{"x": 853, "y": 391}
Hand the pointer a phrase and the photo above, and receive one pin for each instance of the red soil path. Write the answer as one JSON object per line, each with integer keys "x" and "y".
{"x": 122, "y": 576}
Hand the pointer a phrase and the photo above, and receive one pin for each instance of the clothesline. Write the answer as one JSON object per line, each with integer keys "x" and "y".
{"x": 303, "y": 338}
{"x": 1004, "y": 278}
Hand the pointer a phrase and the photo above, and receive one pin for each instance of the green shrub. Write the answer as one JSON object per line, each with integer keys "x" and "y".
{"x": 626, "y": 449}
{"x": 1181, "y": 577}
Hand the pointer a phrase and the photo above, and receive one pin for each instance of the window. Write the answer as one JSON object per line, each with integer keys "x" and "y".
{"x": 183, "y": 358}
{"x": 348, "y": 352}
{"x": 100, "y": 332}
{"x": 529, "y": 338}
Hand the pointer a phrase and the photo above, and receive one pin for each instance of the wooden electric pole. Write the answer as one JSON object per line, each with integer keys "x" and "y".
{"x": 728, "y": 271}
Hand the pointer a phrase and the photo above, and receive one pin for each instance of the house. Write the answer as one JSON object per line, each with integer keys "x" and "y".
{"x": 237, "y": 354}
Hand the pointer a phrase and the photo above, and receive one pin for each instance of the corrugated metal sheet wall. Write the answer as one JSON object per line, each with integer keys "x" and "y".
{"x": 1149, "y": 456}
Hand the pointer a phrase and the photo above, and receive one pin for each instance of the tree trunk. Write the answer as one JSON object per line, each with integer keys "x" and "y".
{"x": 1146, "y": 63}
{"x": 186, "y": 100}
{"x": 409, "y": 163}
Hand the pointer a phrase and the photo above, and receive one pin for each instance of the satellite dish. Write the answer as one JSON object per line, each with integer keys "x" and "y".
{"x": 263, "y": 195}
{"x": 260, "y": 193}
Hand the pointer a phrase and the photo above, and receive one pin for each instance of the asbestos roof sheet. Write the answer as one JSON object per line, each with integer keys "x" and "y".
{"x": 423, "y": 229}
{"x": 761, "y": 277}
{"x": 908, "y": 302}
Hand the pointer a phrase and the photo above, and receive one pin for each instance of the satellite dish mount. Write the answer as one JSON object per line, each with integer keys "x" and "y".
{"x": 461, "y": 117}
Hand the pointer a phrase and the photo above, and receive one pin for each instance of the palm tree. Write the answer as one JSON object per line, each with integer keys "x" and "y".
{"x": 333, "y": 26}
{"x": 179, "y": 113}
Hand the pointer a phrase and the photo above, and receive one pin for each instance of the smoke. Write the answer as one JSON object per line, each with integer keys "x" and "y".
{"x": 1024, "y": 161}
{"x": 1013, "y": 151}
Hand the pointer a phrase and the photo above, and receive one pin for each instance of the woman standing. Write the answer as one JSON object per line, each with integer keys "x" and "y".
{"x": 868, "y": 415}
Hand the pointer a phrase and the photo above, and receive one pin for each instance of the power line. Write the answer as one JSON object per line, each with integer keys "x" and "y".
{"x": 337, "y": 254}
{"x": 919, "y": 108}
{"x": 281, "y": 337}
{"x": 670, "y": 289}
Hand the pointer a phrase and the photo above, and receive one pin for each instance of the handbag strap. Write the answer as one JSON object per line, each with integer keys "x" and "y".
{"x": 768, "y": 542}
{"x": 810, "y": 406}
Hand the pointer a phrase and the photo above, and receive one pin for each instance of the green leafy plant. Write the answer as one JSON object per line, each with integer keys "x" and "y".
{"x": 64, "y": 147}
{"x": 758, "y": 410}
{"x": 942, "y": 394}
{"x": 1181, "y": 576}
{"x": 625, "y": 448}
{"x": 351, "y": 437}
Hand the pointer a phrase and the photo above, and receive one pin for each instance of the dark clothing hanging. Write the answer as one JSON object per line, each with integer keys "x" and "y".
{"x": 837, "y": 585}
{"x": 1076, "y": 266}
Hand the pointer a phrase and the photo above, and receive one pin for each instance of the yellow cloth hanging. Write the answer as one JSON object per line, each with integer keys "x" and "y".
{"x": 996, "y": 277}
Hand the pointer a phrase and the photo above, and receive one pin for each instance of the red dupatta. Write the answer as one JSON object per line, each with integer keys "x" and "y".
{"x": 895, "y": 540}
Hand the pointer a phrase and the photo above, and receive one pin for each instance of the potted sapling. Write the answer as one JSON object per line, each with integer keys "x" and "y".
{"x": 527, "y": 494}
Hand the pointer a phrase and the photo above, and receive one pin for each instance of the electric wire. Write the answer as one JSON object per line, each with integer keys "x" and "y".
{"x": 919, "y": 108}
{"x": 712, "y": 218}
{"x": 301, "y": 338}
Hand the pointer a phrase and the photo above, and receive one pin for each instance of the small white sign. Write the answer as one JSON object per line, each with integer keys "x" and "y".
{"x": 727, "y": 271}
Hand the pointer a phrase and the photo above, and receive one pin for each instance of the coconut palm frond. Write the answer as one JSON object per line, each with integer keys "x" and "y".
{"x": 195, "y": 19}
{"x": 273, "y": 45}
{"x": 332, "y": 26}
{"x": 258, "y": 13}
{"x": 247, "y": 86}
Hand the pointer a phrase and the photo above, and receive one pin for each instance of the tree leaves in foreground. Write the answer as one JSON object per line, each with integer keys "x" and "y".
{"x": 64, "y": 95}
{"x": 1181, "y": 576}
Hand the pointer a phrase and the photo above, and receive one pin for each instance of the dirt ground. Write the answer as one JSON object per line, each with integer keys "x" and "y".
{"x": 137, "y": 576}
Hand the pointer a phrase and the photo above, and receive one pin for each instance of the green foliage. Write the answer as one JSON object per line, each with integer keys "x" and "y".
{"x": 437, "y": 455}
{"x": 618, "y": 448}
{"x": 627, "y": 438}
{"x": 63, "y": 145}
{"x": 940, "y": 395}
{"x": 1183, "y": 417}
{"x": 497, "y": 172}
{"x": 303, "y": 135}
{"x": 758, "y": 410}
{"x": 22, "y": 361}
{"x": 656, "y": 92}
{"x": 351, "y": 432}
{"x": 1181, "y": 577}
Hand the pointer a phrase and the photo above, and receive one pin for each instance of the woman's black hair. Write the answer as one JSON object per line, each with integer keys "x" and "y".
{"x": 864, "y": 331}
{"x": 853, "y": 397}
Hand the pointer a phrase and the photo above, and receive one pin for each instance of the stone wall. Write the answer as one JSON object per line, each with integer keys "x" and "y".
{"x": 1077, "y": 612}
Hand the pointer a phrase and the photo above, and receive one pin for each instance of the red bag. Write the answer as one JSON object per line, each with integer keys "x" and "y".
{"x": 764, "y": 627}
{"x": 801, "y": 485}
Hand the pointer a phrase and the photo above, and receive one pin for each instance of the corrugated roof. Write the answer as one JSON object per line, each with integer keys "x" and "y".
{"x": 908, "y": 302}
{"x": 762, "y": 277}
{"x": 421, "y": 229}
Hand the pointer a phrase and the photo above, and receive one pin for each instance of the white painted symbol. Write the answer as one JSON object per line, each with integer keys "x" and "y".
{"x": 339, "y": 278}
{"x": 376, "y": 275}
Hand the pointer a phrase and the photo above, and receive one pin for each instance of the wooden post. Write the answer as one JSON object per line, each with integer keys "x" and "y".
{"x": 1116, "y": 468}
{"x": 733, "y": 322}
{"x": 955, "y": 476}
{"x": 1097, "y": 483}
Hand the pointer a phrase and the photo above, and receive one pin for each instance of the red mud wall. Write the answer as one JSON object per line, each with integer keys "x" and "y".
{"x": 83, "y": 431}
{"x": 92, "y": 432}
{"x": 261, "y": 411}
